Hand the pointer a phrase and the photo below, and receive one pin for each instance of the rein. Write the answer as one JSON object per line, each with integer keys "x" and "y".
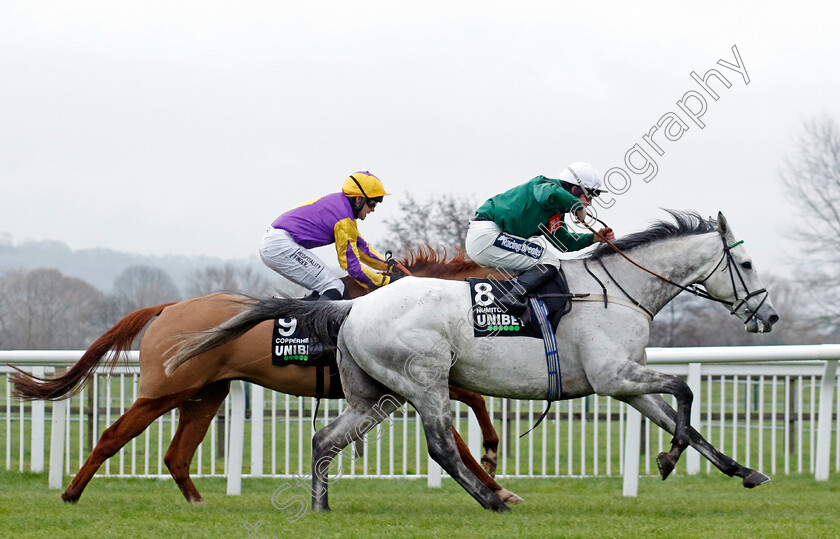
{"x": 403, "y": 269}
{"x": 692, "y": 289}
{"x": 393, "y": 263}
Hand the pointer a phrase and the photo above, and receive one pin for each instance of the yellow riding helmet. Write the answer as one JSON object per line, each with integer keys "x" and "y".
{"x": 364, "y": 184}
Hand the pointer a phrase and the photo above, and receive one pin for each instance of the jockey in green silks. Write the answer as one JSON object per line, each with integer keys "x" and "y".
{"x": 511, "y": 231}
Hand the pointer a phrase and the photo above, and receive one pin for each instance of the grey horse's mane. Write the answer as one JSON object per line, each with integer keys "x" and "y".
{"x": 686, "y": 223}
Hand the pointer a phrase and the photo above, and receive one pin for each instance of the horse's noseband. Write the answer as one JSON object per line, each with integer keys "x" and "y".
{"x": 734, "y": 306}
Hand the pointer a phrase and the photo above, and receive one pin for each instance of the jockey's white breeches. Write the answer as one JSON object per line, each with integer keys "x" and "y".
{"x": 300, "y": 265}
{"x": 490, "y": 247}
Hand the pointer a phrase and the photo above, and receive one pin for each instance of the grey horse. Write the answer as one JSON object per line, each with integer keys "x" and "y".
{"x": 410, "y": 340}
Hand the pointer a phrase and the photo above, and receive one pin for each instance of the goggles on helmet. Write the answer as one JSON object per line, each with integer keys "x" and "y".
{"x": 591, "y": 193}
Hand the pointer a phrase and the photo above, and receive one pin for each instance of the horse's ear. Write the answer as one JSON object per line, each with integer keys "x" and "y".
{"x": 723, "y": 228}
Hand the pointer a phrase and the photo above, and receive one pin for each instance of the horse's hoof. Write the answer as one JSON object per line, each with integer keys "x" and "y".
{"x": 665, "y": 464}
{"x": 509, "y": 497}
{"x": 69, "y": 499}
{"x": 500, "y": 508}
{"x": 754, "y": 479}
{"x": 488, "y": 460}
{"x": 321, "y": 508}
{"x": 197, "y": 501}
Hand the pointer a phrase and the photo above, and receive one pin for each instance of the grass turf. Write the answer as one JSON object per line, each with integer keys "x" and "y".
{"x": 699, "y": 506}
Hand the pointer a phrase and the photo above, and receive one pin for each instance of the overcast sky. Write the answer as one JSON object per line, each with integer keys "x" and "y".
{"x": 186, "y": 127}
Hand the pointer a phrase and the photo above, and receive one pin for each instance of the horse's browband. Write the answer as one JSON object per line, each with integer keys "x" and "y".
{"x": 611, "y": 299}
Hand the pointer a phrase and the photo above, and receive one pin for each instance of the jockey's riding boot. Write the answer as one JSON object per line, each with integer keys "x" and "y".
{"x": 314, "y": 296}
{"x": 515, "y": 302}
{"x": 332, "y": 294}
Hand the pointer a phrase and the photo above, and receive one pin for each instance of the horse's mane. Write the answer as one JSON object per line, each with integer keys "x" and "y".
{"x": 442, "y": 261}
{"x": 686, "y": 223}
{"x": 439, "y": 261}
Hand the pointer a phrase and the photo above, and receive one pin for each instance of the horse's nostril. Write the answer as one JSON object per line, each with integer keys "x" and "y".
{"x": 774, "y": 318}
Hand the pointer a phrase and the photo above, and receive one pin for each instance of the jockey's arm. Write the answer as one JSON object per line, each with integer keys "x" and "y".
{"x": 567, "y": 241}
{"x": 354, "y": 256}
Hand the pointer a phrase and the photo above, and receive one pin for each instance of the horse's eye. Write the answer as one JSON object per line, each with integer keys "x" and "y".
{"x": 746, "y": 265}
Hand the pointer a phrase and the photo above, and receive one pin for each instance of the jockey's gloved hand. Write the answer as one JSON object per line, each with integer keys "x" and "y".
{"x": 396, "y": 273}
{"x": 605, "y": 234}
{"x": 391, "y": 261}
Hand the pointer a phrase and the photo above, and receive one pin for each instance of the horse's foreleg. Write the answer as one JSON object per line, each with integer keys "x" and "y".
{"x": 488, "y": 431}
{"x": 662, "y": 414}
{"x": 627, "y": 379}
{"x": 130, "y": 424}
{"x": 195, "y": 417}
{"x": 665, "y": 417}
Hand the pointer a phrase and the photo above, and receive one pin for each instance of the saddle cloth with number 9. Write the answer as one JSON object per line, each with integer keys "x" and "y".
{"x": 292, "y": 345}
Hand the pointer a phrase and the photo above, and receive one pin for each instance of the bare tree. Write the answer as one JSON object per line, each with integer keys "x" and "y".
{"x": 812, "y": 178}
{"x": 439, "y": 220}
{"x": 227, "y": 278}
{"x": 43, "y": 309}
{"x": 144, "y": 286}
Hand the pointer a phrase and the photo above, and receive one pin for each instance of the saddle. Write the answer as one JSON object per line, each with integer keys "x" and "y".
{"x": 545, "y": 309}
{"x": 490, "y": 318}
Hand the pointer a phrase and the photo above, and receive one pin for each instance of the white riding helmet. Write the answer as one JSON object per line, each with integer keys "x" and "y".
{"x": 583, "y": 175}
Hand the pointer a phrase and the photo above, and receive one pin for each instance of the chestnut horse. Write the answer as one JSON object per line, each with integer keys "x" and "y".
{"x": 197, "y": 390}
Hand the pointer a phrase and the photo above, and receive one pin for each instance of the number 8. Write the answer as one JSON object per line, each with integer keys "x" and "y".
{"x": 484, "y": 296}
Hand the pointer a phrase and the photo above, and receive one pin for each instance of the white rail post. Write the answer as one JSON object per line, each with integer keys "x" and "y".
{"x": 632, "y": 442}
{"x": 237, "y": 438}
{"x": 692, "y": 458}
{"x": 824, "y": 420}
{"x": 36, "y": 463}
{"x": 57, "y": 431}
{"x": 473, "y": 434}
{"x": 257, "y": 407}
{"x": 434, "y": 473}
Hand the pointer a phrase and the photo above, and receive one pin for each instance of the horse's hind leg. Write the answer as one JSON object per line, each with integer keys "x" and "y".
{"x": 488, "y": 432}
{"x": 507, "y": 496}
{"x": 661, "y": 413}
{"x": 195, "y": 417}
{"x": 130, "y": 424}
{"x": 368, "y": 404}
{"x": 360, "y": 416}
{"x": 433, "y": 405}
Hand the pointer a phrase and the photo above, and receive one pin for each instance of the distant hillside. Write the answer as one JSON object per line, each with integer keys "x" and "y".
{"x": 99, "y": 267}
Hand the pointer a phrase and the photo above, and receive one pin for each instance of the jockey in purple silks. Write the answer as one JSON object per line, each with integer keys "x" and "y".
{"x": 322, "y": 221}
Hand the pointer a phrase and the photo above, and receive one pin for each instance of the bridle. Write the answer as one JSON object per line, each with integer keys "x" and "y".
{"x": 694, "y": 289}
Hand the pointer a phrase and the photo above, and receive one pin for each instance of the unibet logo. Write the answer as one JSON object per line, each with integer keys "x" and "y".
{"x": 497, "y": 320}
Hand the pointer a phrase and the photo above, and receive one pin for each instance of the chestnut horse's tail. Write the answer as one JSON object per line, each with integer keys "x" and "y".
{"x": 118, "y": 340}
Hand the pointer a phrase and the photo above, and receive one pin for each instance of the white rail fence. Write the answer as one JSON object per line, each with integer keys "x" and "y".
{"x": 769, "y": 407}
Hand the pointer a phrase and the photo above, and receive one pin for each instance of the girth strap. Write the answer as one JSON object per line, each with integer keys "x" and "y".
{"x": 319, "y": 391}
{"x": 552, "y": 359}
